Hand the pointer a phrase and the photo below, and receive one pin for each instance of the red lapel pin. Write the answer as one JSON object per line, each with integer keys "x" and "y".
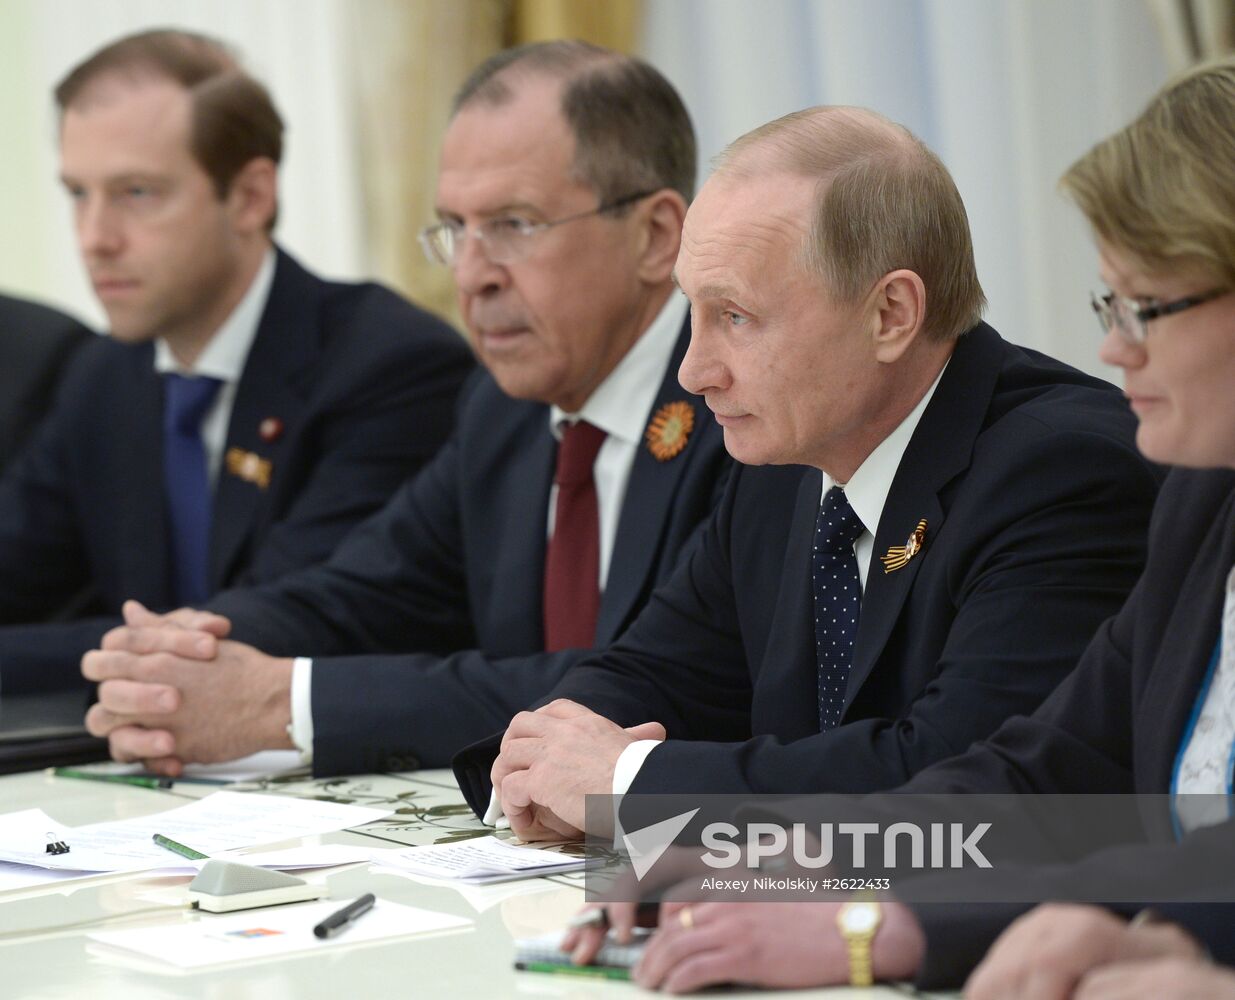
{"x": 270, "y": 429}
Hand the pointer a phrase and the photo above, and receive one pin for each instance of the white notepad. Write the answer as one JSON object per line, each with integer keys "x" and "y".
{"x": 269, "y": 933}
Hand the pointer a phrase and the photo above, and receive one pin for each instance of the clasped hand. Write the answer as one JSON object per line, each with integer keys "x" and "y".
{"x": 173, "y": 689}
{"x": 551, "y": 759}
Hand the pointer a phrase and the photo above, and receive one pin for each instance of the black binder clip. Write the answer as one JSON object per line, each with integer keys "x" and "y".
{"x": 56, "y": 846}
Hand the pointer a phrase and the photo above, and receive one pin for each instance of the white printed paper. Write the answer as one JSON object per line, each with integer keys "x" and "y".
{"x": 220, "y": 822}
{"x": 479, "y": 860}
{"x": 271, "y": 932}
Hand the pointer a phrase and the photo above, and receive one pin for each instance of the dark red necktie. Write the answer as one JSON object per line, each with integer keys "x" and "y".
{"x": 572, "y": 559}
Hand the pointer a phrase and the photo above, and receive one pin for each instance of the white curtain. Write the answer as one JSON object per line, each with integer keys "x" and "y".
{"x": 1194, "y": 30}
{"x": 1007, "y": 92}
{"x": 296, "y": 47}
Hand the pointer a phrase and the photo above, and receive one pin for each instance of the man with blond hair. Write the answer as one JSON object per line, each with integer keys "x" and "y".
{"x": 927, "y": 526}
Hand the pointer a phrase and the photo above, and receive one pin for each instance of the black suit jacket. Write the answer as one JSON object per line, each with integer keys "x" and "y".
{"x": 35, "y": 345}
{"x": 447, "y": 579}
{"x": 1036, "y": 503}
{"x": 1116, "y": 725}
{"x": 364, "y": 384}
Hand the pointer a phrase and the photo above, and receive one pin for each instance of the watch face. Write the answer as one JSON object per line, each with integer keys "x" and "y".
{"x": 860, "y": 918}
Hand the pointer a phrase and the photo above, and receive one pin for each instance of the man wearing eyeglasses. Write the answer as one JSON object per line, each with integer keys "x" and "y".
{"x": 578, "y": 471}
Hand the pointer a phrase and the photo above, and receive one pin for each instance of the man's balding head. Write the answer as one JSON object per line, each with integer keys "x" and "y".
{"x": 884, "y": 202}
{"x": 631, "y": 130}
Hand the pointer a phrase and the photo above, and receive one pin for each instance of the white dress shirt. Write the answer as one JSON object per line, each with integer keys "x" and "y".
{"x": 619, "y": 406}
{"x": 867, "y": 493}
{"x": 1205, "y": 766}
{"x": 223, "y": 359}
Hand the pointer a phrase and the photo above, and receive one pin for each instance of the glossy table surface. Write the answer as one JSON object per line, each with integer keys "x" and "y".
{"x": 476, "y": 962}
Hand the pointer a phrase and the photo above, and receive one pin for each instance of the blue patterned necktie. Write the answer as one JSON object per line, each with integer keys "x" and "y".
{"x": 186, "y": 482}
{"x": 838, "y": 600}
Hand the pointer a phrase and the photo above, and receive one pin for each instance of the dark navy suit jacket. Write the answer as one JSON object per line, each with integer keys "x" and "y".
{"x": 1116, "y": 725}
{"x": 447, "y": 580}
{"x": 364, "y": 384}
{"x": 1036, "y": 502}
{"x": 35, "y": 344}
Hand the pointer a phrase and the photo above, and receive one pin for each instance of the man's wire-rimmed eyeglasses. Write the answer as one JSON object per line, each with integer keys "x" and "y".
{"x": 505, "y": 239}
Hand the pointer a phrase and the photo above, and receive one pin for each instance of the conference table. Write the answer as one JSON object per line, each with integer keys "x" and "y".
{"x": 427, "y": 808}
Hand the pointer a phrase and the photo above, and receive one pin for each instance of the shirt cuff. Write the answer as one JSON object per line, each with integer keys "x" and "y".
{"x": 629, "y": 763}
{"x": 301, "y": 729}
{"x": 494, "y": 815}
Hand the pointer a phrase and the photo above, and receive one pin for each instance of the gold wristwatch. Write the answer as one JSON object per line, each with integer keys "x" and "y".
{"x": 858, "y": 921}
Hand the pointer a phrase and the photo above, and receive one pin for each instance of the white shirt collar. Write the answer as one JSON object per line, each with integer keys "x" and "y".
{"x": 619, "y": 405}
{"x": 225, "y": 353}
{"x": 868, "y": 488}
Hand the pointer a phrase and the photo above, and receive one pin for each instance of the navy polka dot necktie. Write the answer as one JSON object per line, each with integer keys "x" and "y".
{"x": 838, "y": 600}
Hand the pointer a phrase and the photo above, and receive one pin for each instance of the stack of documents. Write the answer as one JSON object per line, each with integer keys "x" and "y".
{"x": 476, "y": 862}
{"x": 219, "y": 823}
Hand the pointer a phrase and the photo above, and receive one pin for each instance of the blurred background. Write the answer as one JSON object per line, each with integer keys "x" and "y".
{"x": 1008, "y": 92}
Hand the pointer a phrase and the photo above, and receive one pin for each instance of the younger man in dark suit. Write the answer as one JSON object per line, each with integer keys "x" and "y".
{"x": 928, "y": 525}
{"x": 564, "y": 179}
{"x": 243, "y": 414}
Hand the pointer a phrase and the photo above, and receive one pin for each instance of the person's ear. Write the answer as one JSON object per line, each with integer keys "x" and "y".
{"x": 253, "y": 196}
{"x": 898, "y": 314}
{"x": 659, "y": 234}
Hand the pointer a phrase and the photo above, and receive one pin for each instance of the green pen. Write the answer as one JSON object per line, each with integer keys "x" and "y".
{"x": 565, "y": 969}
{"x": 140, "y": 780}
{"x": 185, "y": 852}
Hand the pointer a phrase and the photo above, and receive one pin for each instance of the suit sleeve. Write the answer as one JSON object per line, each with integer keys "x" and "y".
{"x": 43, "y": 559}
{"x": 682, "y": 661}
{"x": 396, "y": 582}
{"x": 36, "y": 344}
{"x": 1037, "y": 572}
{"x": 442, "y": 704}
{"x": 1078, "y": 739}
{"x": 696, "y": 586}
{"x": 44, "y": 563}
{"x": 1195, "y": 877}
